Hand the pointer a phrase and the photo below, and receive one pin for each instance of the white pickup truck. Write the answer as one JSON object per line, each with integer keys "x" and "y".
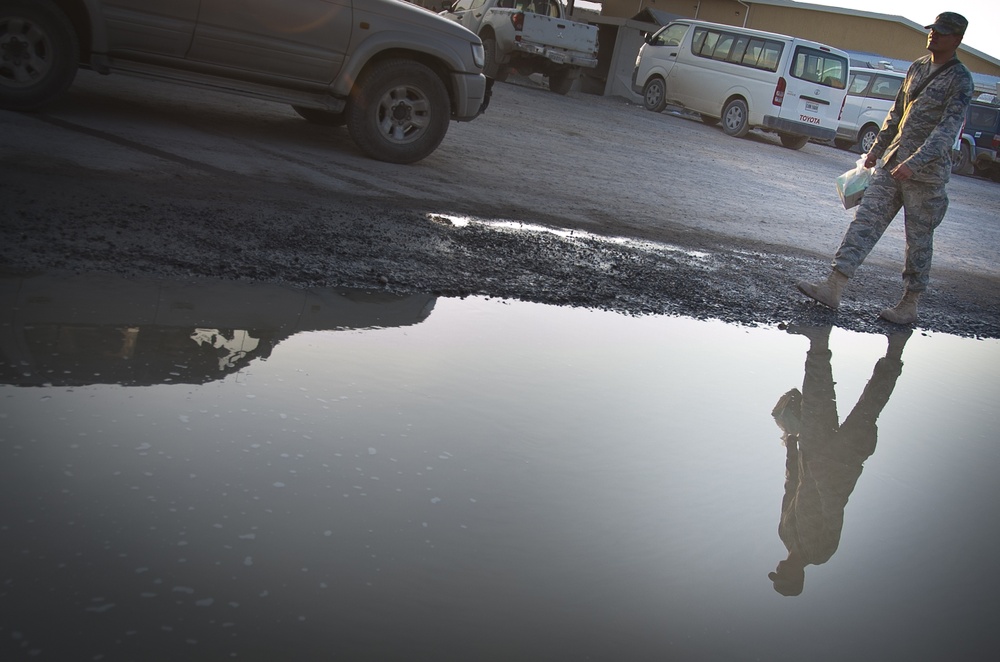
{"x": 531, "y": 36}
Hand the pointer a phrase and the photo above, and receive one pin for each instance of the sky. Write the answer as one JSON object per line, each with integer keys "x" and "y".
{"x": 983, "y": 15}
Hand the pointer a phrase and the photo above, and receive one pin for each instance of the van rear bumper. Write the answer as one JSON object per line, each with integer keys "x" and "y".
{"x": 781, "y": 125}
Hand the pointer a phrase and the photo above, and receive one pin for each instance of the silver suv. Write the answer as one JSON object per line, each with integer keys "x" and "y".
{"x": 394, "y": 73}
{"x": 870, "y": 95}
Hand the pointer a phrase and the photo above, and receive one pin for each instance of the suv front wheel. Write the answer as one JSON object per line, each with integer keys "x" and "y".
{"x": 654, "y": 95}
{"x": 398, "y": 111}
{"x": 38, "y": 53}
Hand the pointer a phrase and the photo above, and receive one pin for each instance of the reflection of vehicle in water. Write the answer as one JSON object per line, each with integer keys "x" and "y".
{"x": 106, "y": 330}
{"x": 824, "y": 457}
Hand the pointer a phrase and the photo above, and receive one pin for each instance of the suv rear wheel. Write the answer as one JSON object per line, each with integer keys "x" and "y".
{"x": 491, "y": 67}
{"x": 561, "y": 80}
{"x": 867, "y": 138}
{"x": 398, "y": 111}
{"x": 38, "y": 53}
{"x": 963, "y": 164}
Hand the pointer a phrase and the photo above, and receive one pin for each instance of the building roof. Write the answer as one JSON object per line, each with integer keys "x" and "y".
{"x": 657, "y": 16}
{"x": 868, "y": 14}
{"x": 983, "y": 82}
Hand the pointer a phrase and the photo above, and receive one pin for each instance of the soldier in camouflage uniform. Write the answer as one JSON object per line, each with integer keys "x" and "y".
{"x": 915, "y": 146}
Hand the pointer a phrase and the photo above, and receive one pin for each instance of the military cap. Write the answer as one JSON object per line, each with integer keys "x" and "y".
{"x": 949, "y": 23}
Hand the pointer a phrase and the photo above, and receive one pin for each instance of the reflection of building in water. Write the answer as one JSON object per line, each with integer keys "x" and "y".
{"x": 232, "y": 345}
{"x": 824, "y": 458}
{"x": 106, "y": 330}
{"x": 68, "y": 354}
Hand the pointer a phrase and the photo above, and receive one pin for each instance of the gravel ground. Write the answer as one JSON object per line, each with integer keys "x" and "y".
{"x": 578, "y": 200}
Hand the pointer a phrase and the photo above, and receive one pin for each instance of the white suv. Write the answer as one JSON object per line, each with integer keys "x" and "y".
{"x": 870, "y": 95}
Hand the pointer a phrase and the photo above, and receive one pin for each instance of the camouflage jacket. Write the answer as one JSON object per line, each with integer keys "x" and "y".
{"x": 921, "y": 134}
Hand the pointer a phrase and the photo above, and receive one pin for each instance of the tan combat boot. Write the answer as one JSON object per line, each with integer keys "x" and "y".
{"x": 826, "y": 292}
{"x": 904, "y": 312}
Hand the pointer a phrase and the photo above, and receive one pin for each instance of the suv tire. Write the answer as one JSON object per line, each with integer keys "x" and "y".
{"x": 654, "y": 95}
{"x": 963, "y": 164}
{"x": 398, "y": 111}
{"x": 490, "y": 67}
{"x": 40, "y": 53}
{"x": 866, "y": 140}
{"x": 561, "y": 81}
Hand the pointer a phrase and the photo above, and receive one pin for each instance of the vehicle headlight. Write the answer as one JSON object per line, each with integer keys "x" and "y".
{"x": 479, "y": 55}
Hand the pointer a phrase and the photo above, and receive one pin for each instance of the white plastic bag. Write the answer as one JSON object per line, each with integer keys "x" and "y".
{"x": 852, "y": 184}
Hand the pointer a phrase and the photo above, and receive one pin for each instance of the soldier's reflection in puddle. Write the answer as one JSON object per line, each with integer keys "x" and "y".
{"x": 824, "y": 457}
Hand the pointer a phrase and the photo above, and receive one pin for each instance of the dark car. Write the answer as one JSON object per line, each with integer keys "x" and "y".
{"x": 979, "y": 148}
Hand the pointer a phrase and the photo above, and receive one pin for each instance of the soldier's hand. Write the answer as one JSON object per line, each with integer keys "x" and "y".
{"x": 901, "y": 172}
{"x": 870, "y": 160}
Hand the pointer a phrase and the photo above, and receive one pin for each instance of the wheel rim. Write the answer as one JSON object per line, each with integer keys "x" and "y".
{"x": 734, "y": 117}
{"x": 25, "y": 53}
{"x": 653, "y": 94}
{"x": 404, "y": 113}
{"x": 868, "y": 141}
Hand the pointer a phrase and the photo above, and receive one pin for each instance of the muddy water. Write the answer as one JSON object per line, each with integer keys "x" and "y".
{"x": 210, "y": 471}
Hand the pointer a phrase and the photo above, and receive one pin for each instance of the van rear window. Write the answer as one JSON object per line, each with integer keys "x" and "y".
{"x": 886, "y": 87}
{"x": 737, "y": 48}
{"x": 982, "y": 118}
{"x": 859, "y": 83}
{"x": 820, "y": 67}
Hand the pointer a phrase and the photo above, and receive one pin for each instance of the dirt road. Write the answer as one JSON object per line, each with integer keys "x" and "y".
{"x": 142, "y": 178}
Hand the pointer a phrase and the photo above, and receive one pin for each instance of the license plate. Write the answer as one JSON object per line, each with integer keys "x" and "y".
{"x": 812, "y": 107}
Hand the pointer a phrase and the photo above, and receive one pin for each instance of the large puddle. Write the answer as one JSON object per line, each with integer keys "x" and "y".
{"x": 214, "y": 471}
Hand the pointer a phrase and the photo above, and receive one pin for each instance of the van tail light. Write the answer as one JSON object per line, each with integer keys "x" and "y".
{"x": 779, "y": 91}
{"x": 517, "y": 18}
{"x": 996, "y": 142}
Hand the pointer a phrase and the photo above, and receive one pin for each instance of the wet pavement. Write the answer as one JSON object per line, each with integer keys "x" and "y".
{"x": 207, "y": 470}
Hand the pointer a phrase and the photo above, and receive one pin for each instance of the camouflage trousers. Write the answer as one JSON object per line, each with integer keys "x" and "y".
{"x": 924, "y": 205}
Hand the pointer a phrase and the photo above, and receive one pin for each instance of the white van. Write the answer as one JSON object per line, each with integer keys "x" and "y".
{"x": 747, "y": 78}
{"x": 870, "y": 95}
